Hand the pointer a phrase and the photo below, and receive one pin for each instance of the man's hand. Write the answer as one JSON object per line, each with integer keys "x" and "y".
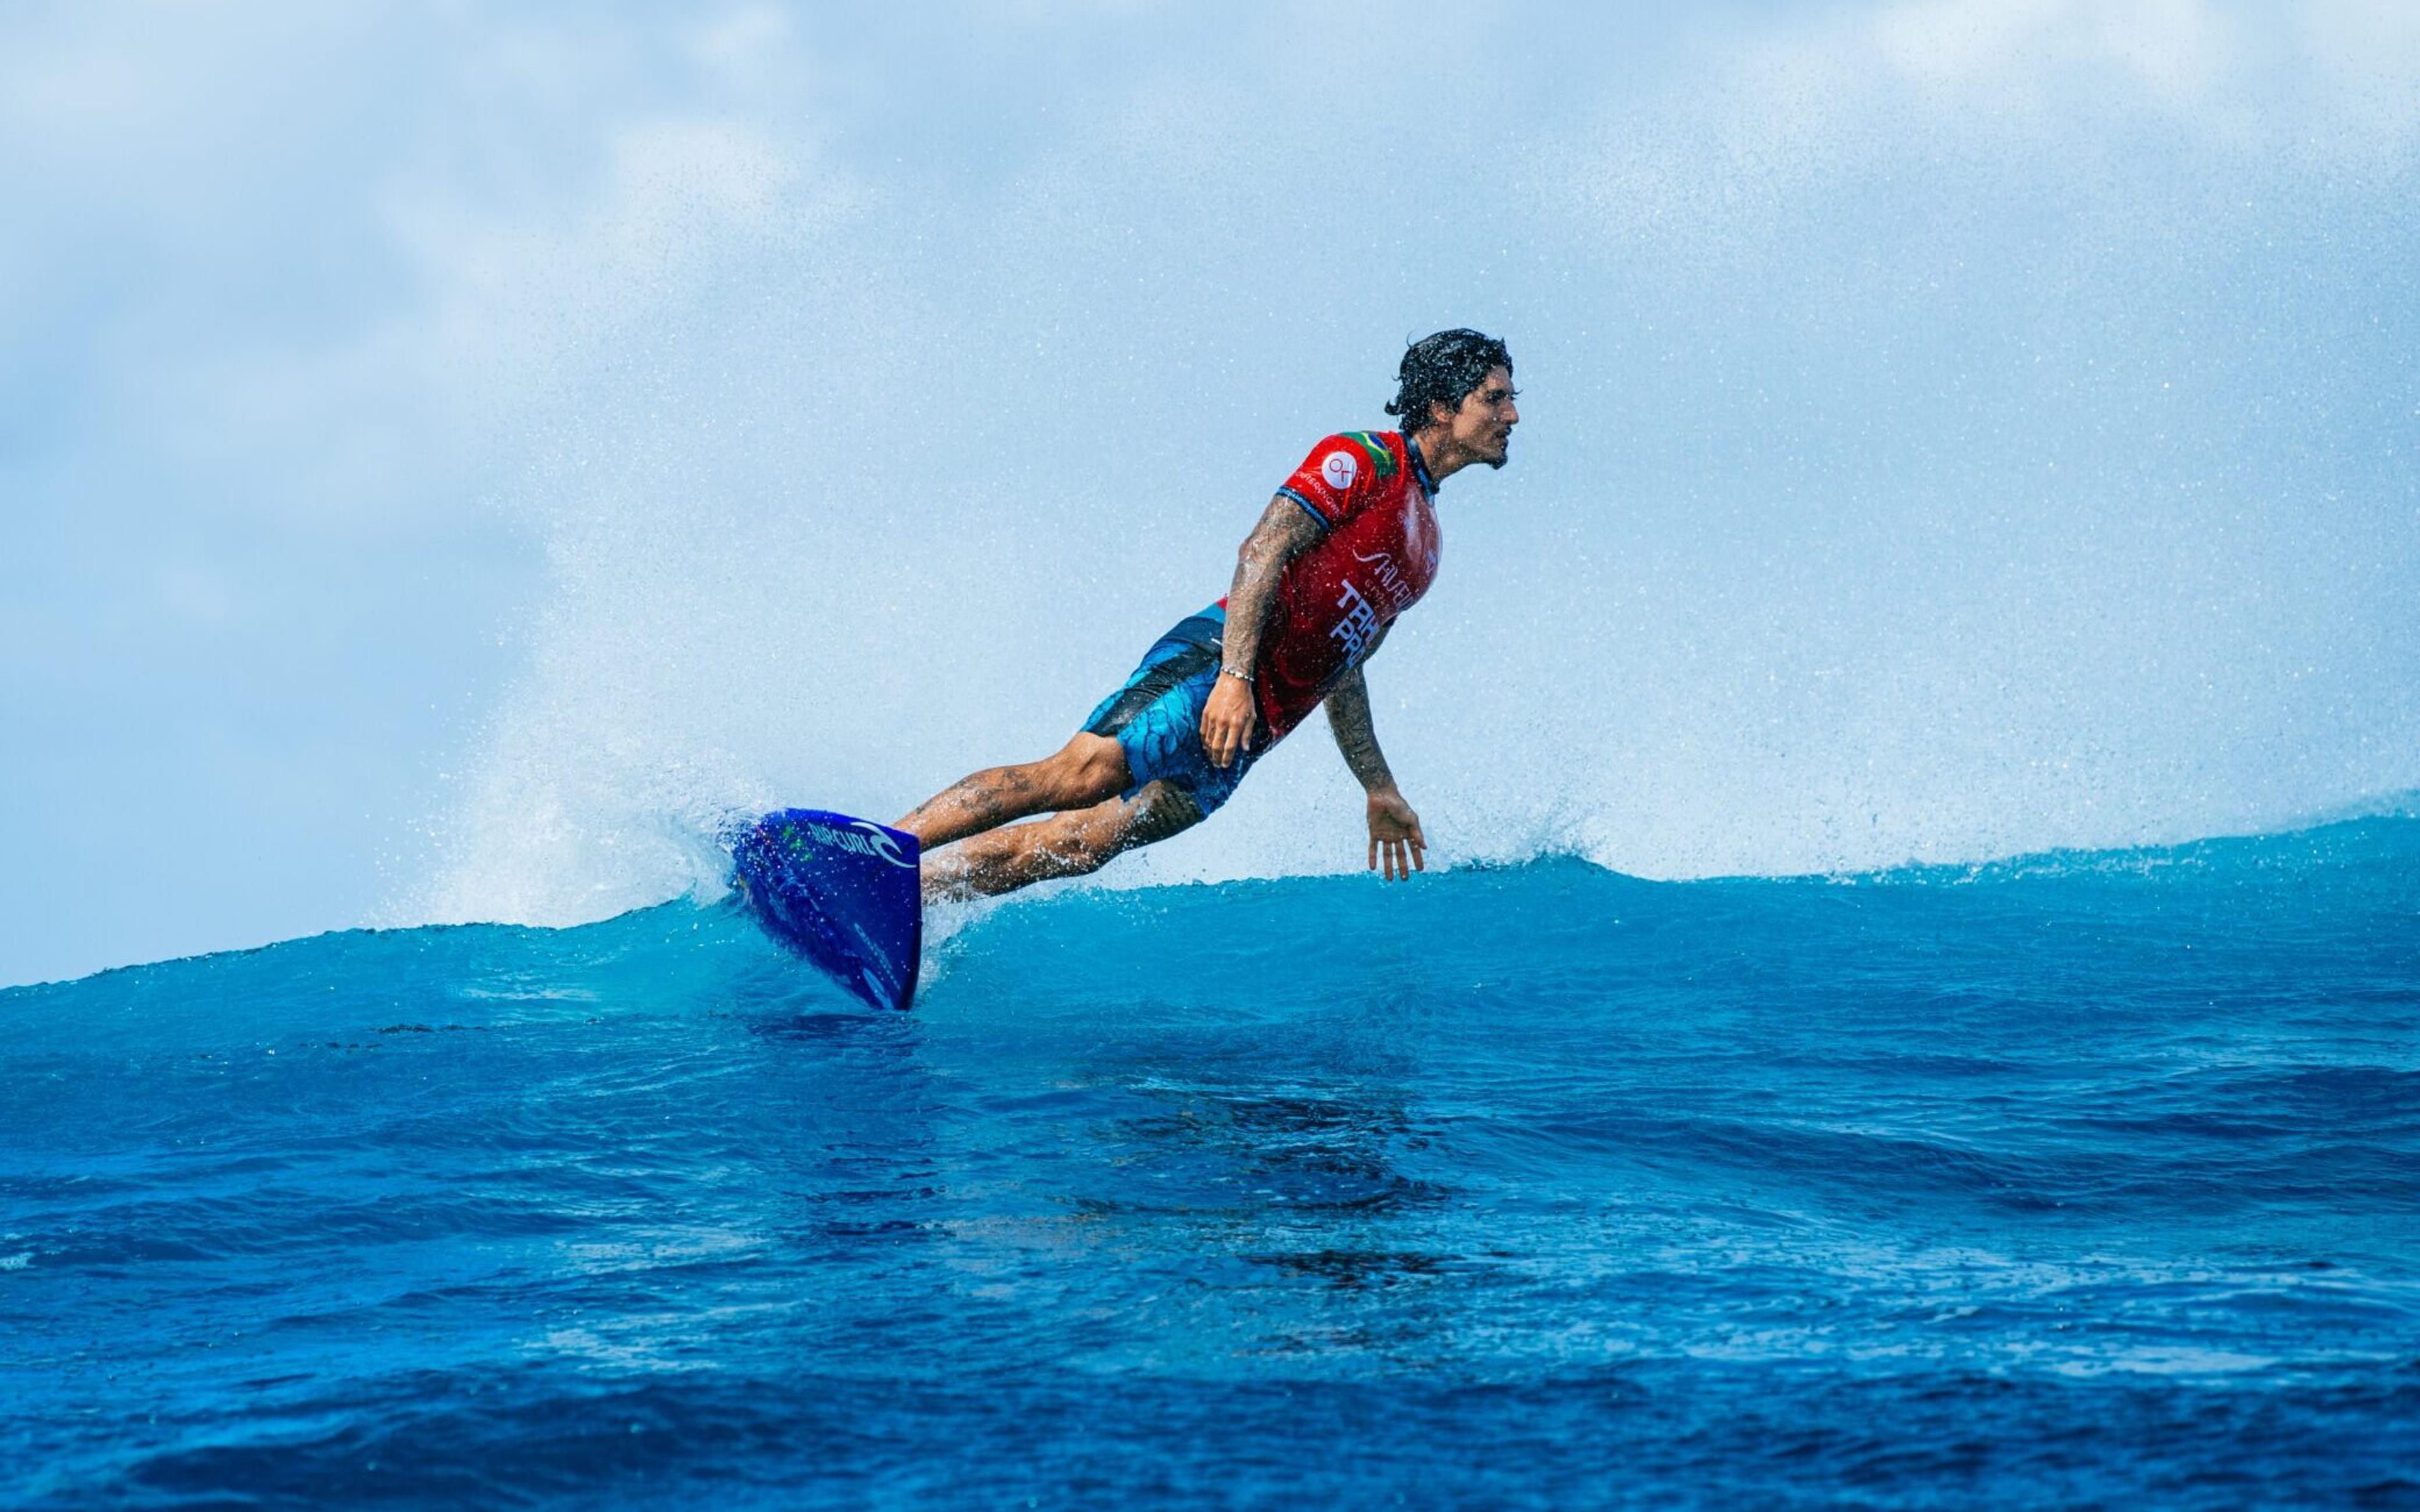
{"x": 1285, "y": 531}
{"x": 1226, "y": 720}
{"x": 1395, "y": 836}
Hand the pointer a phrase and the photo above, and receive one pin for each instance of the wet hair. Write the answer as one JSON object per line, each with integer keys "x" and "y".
{"x": 1444, "y": 369}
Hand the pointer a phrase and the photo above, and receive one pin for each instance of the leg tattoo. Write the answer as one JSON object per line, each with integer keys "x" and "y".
{"x": 1068, "y": 845}
{"x": 1086, "y": 770}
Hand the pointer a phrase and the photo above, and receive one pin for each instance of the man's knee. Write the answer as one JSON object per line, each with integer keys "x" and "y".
{"x": 1160, "y": 809}
{"x": 1069, "y": 844}
{"x": 1089, "y": 769}
{"x": 1092, "y": 840}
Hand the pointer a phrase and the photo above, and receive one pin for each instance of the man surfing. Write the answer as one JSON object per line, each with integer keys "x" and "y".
{"x": 1348, "y": 543}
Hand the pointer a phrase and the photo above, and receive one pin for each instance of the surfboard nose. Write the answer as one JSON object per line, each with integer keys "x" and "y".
{"x": 844, "y": 892}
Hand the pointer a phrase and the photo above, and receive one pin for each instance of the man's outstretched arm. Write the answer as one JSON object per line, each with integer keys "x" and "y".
{"x": 1394, "y": 828}
{"x": 1285, "y": 530}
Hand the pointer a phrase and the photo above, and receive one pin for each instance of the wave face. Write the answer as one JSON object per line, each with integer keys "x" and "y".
{"x": 2092, "y": 1179}
{"x": 1952, "y": 430}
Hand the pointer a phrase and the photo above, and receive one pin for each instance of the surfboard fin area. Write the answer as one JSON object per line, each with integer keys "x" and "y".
{"x": 842, "y": 892}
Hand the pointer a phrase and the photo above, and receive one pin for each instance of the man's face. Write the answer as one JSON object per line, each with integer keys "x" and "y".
{"x": 1482, "y": 426}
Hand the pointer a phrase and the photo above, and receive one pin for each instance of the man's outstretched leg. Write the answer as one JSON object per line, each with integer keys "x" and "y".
{"x": 1085, "y": 771}
{"x": 1144, "y": 737}
{"x": 1066, "y": 845}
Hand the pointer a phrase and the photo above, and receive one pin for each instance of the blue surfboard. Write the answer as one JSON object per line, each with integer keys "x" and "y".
{"x": 843, "y": 892}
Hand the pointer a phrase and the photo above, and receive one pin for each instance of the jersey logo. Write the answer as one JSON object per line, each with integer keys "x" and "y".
{"x": 1391, "y": 579}
{"x": 1340, "y": 469}
{"x": 1381, "y": 458}
{"x": 1361, "y": 622}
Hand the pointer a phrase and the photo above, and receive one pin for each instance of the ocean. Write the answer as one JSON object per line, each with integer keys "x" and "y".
{"x": 1918, "y": 1003}
{"x": 2086, "y": 1179}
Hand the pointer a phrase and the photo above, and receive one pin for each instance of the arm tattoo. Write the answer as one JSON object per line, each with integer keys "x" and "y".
{"x": 1348, "y": 715}
{"x": 1285, "y": 530}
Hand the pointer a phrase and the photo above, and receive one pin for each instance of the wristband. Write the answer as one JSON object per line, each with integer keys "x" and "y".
{"x": 1230, "y": 671}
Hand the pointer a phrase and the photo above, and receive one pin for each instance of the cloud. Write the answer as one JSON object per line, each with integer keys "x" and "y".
{"x": 348, "y": 341}
{"x": 2171, "y": 50}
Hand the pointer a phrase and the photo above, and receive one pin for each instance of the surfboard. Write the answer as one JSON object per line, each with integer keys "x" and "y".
{"x": 842, "y": 892}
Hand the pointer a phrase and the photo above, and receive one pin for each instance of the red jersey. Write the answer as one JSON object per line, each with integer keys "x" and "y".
{"x": 1371, "y": 492}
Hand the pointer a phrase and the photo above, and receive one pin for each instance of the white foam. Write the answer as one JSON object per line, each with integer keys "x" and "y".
{"x": 1952, "y": 431}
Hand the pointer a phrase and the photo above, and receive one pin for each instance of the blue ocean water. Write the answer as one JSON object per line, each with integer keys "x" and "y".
{"x": 2084, "y": 1180}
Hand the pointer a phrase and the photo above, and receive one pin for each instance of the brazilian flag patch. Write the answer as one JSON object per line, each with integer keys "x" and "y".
{"x": 1381, "y": 458}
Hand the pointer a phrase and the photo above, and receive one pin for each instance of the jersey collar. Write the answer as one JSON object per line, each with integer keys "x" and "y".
{"x": 1419, "y": 465}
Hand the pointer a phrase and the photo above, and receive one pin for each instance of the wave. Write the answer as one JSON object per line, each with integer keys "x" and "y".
{"x": 2372, "y": 832}
{"x": 675, "y": 945}
{"x": 2100, "y": 1135}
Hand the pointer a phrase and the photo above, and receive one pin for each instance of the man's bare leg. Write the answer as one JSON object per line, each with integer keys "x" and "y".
{"x": 1066, "y": 845}
{"x": 1085, "y": 771}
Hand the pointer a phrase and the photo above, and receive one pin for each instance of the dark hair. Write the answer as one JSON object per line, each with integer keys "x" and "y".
{"x": 1444, "y": 369}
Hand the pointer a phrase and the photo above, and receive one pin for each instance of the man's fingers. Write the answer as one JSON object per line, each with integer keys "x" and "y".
{"x": 1223, "y": 740}
{"x": 1396, "y": 858}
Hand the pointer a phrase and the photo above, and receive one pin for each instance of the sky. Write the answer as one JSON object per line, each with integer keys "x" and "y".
{"x": 453, "y": 457}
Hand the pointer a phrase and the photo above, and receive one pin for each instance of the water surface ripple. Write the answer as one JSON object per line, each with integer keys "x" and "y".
{"x": 2084, "y": 1179}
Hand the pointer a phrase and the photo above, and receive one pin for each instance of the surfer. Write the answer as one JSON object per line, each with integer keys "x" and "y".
{"x": 1349, "y": 542}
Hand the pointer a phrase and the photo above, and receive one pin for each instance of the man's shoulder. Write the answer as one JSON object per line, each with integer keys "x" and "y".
{"x": 1345, "y": 456}
{"x": 1382, "y": 450}
{"x": 1345, "y": 472}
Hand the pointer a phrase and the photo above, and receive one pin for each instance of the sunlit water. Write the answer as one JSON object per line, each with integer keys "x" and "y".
{"x": 2085, "y": 1180}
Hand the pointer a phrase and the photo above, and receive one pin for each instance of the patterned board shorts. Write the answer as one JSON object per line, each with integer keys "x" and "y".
{"x": 1157, "y": 716}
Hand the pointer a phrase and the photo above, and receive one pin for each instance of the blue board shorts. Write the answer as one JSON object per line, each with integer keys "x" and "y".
{"x": 1157, "y": 716}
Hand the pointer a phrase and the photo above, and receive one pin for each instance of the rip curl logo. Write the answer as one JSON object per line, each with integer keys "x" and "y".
{"x": 864, "y": 838}
{"x": 1340, "y": 469}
